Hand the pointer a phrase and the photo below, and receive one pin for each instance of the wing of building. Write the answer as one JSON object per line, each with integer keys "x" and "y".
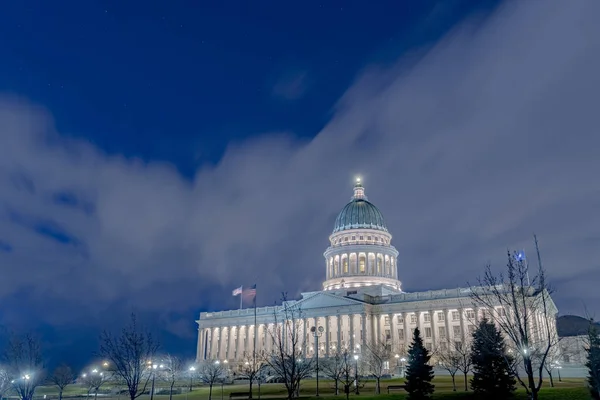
{"x": 362, "y": 300}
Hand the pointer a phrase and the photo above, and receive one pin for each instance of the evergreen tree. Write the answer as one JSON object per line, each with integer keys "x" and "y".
{"x": 418, "y": 371}
{"x": 492, "y": 375}
{"x": 593, "y": 361}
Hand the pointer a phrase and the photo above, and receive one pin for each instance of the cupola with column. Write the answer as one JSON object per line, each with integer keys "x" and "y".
{"x": 360, "y": 252}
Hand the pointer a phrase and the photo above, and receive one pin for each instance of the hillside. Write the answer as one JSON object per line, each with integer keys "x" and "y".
{"x": 572, "y": 325}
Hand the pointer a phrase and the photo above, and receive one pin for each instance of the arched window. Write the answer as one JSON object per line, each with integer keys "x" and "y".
{"x": 362, "y": 264}
{"x": 345, "y": 264}
{"x": 379, "y": 264}
{"x": 336, "y": 264}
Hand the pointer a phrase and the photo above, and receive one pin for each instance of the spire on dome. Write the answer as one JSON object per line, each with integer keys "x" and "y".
{"x": 359, "y": 190}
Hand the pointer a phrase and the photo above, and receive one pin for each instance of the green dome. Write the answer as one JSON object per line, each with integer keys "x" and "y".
{"x": 359, "y": 214}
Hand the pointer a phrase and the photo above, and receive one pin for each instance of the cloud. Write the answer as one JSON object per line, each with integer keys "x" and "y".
{"x": 291, "y": 85}
{"x": 489, "y": 136}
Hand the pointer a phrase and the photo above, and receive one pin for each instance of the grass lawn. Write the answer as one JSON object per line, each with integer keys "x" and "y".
{"x": 568, "y": 389}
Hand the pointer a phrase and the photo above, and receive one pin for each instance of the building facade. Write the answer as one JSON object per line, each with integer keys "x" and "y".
{"x": 362, "y": 301}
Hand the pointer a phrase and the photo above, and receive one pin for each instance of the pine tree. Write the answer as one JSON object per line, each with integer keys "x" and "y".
{"x": 492, "y": 376}
{"x": 593, "y": 361}
{"x": 419, "y": 373}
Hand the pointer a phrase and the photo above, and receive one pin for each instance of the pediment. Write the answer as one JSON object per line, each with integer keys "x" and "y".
{"x": 323, "y": 299}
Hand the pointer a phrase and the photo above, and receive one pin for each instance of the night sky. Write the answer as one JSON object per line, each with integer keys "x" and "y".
{"x": 156, "y": 155}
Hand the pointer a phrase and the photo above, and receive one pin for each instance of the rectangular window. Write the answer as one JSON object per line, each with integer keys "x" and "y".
{"x": 387, "y": 320}
{"x": 361, "y": 265}
{"x": 456, "y": 331}
{"x": 442, "y": 332}
{"x": 458, "y": 345}
{"x": 441, "y": 317}
{"x": 388, "y": 336}
{"x": 353, "y": 237}
{"x": 455, "y": 316}
{"x": 400, "y": 319}
{"x": 401, "y": 334}
{"x": 362, "y": 237}
{"x": 413, "y": 318}
{"x": 471, "y": 314}
{"x": 386, "y": 365}
{"x": 428, "y": 332}
{"x": 427, "y": 317}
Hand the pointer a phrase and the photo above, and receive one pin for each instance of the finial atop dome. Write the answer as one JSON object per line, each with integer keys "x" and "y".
{"x": 359, "y": 190}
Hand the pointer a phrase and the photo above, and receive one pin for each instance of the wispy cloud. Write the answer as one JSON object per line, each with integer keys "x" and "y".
{"x": 291, "y": 85}
{"x": 491, "y": 136}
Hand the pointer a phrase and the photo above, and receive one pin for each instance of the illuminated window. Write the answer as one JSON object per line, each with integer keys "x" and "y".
{"x": 362, "y": 264}
{"x": 345, "y": 265}
{"x": 427, "y": 317}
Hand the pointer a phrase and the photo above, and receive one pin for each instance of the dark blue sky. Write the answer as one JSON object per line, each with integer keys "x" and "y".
{"x": 179, "y": 82}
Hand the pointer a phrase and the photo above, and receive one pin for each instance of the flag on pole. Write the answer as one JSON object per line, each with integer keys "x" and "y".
{"x": 250, "y": 293}
{"x": 237, "y": 291}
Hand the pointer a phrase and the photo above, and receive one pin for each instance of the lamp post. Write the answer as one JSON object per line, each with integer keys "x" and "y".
{"x": 192, "y": 369}
{"x": 356, "y": 373}
{"x": 317, "y": 332}
{"x": 403, "y": 360}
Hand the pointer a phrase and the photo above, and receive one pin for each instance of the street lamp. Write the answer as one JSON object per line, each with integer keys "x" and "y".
{"x": 356, "y": 373}
{"x": 153, "y": 368}
{"x": 317, "y": 332}
{"x": 403, "y": 360}
{"x": 192, "y": 369}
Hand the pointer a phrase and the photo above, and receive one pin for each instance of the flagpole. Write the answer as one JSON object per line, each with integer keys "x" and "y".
{"x": 242, "y": 297}
{"x": 255, "y": 331}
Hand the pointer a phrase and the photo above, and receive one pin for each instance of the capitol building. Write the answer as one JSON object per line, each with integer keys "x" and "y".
{"x": 362, "y": 300}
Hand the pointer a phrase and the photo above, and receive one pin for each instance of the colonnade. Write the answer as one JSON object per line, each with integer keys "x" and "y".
{"x": 358, "y": 262}
{"x": 350, "y": 332}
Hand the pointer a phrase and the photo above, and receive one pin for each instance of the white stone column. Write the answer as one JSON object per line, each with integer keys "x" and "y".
{"x": 351, "y": 324}
{"x": 363, "y": 322}
{"x": 462, "y": 315}
{"x": 339, "y": 332}
{"x": 449, "y": 335}
{"x": 378, "y": 326}
{"x": 392, "y": 329}
{"x": 433, "y": 324}
{"x": 407, "y": 338}
{"x": 327, "y": 344}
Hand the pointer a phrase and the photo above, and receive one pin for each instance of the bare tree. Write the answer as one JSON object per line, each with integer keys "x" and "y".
{"x": 94, "y": 380}
{"x": 450, "y": 360}
{"x": 288, "y": 340}
{"x": 129, "y": 354}
{"x": 377, "y": 351}
{"x": 173, "y": 369}
{"x": 333, "y": 368}
{"x": 552, "y": 362}
{"x": 62, "y": 377}
{"x": 348, "y": 372}
{"x": 525, "y": 314}
{"x": 463, "y": 350}
{"x": 252, "y": 367}
{"x": 211, "y": 372}
{"x": 24, "y": 364}
{"x": 4, "y": 381}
